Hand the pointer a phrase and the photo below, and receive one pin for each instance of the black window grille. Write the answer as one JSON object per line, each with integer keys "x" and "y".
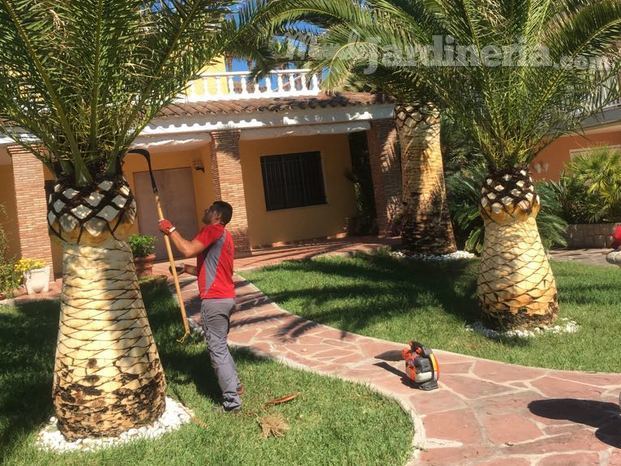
{"x": 293, "y": 180}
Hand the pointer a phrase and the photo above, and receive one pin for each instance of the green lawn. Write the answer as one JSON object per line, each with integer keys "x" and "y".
{"x": 400, "y": 300}
{"x": 332, "y": 422}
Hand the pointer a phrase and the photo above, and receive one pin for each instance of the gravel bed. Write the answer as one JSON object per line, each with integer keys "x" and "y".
{"x": 175, "y": 415}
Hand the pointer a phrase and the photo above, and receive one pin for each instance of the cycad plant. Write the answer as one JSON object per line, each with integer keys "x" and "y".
{"x": 464, "y": 193}
{"x": 515, "y": 75}
{"x": 590, "y": 187}
{"x": 79, "y": 81}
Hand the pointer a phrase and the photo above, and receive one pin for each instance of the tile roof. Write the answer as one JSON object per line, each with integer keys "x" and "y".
{"x": 323, "y": 100}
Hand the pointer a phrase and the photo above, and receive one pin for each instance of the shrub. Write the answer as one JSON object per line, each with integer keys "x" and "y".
{"x": 589, "y": 190}
{"x": 142, "y": 245}
{"x": 26, "y": 265}
{"x": 10, "y": 278}
{"x": 464, "y": 194}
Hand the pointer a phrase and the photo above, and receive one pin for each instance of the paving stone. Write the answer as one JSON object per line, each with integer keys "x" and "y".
{"x": 553, "y": 387}
{"x": 455, "y": 367}
{"x": 512, "y": 428}
{"x": 576, "y": 441}
{"x": 454, "y": 456}
{"x": 491, "y": 370}
{"x": 458, "y": 425}
{"x": 435, "y": 401}
{"x": 507, "y": 461}
{"x": 615, "y": 457}
{"x": 513, "y": 402}
{"x": 571, "y": 459}
{"x": 473, "y": 388}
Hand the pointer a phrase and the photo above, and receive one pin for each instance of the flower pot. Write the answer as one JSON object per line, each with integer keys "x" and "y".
{"x": 144, "y": 265}
{"x": 37, "y": 280}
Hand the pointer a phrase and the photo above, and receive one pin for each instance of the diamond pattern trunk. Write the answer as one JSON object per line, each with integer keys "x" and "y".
{"x": 108, "y": 377}
{"x": 426, "y": 222}
{"x": 516, "y": 287}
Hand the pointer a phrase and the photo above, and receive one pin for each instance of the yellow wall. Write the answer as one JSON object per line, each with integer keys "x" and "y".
{"x": 198, "y": 87}
{"x": 266, "y": 228}
{"x": 9, "y": 219}
{"x": 557, "y": 154}
{"x": 203, "y": 189}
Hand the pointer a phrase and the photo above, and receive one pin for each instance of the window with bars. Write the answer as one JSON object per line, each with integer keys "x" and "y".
{"x": 292, "y": 180}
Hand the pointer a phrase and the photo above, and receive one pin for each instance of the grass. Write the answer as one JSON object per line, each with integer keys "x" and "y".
{"x": 400, "y": 300}
{"x": 332, "y": 422}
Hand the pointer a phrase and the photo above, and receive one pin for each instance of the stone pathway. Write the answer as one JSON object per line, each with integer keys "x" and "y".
{"x": 485, "y": 412}
{"x": 586, "y": 256}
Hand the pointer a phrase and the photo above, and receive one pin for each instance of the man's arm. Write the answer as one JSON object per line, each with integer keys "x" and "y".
{"x": 186, "y": 248}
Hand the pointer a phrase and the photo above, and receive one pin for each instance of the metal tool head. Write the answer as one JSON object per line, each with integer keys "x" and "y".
{"x": 147, "y": 155}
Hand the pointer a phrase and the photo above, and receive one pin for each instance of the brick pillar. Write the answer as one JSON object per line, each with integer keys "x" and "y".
{"x": 229, "y": 186}
{"x": 31, "y": 206}
{"x": 386, "y": 172}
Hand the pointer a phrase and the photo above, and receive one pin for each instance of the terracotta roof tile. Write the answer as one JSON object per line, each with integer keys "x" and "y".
{"x": 323, "y": 100}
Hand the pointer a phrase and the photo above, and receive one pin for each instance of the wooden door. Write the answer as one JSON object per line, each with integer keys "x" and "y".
{"x": 176, "y": 189}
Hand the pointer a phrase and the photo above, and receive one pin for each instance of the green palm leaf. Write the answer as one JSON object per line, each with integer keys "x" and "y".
{"x": 85, "y": 77}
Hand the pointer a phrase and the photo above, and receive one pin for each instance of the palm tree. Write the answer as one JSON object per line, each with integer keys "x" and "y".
{"x": 426, "y": 222}
{"x": 84, "y": 78}
{"x": 424, "y": 216}
{"x": 515, "y": 76}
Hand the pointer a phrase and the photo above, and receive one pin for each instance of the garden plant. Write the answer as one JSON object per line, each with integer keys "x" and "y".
{"x": 84, "y": 78}
{"x": 589, "y": 190}
{"x": 515, "y": 76}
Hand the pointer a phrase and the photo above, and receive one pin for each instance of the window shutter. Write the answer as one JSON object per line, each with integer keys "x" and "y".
{"x": 293, "y": 180}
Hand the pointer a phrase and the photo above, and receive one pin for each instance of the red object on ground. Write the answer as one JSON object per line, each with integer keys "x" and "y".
{"x": 616, "y": 236}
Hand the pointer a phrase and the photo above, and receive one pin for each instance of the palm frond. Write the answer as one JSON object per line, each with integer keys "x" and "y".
{"x": 85, "y": 77}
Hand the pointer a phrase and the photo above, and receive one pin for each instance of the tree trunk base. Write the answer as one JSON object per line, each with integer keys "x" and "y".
{"x": 108, "y": 377}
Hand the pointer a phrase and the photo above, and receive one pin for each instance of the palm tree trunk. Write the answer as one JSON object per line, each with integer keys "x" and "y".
{"x": 107, "y": 377}
{"x": 426, "y": 222}
{"x": 516, "y": 287}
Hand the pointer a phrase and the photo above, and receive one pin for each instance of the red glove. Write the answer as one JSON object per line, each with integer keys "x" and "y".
{"x": 616, "y": 236}
{"x": 166, "y": 226}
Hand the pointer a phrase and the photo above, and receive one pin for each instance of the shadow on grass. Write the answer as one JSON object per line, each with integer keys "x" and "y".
{"x": 27, "y": 344}
{"x": 404, "y": 288}
{"x": 605, "y": 417}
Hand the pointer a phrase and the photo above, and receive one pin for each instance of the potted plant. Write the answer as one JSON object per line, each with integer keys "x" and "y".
{"x": 143, "y": 249}
{"x": 36, "y": 275}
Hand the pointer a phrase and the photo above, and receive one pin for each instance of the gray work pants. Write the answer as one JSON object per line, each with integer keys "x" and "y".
{"x": 215, "y": 315}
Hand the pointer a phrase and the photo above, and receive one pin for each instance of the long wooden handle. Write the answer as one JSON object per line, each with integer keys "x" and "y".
{"x": 173, "y": 270}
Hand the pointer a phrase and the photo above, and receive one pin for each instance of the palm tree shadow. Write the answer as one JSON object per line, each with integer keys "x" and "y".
{"x": 27, "y": 344}
{"x": 407, "y": 288}
{"x": 188, "y": 363}
{"x": 605, "y": 417}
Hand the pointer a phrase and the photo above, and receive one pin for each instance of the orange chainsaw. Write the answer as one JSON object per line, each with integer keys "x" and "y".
{"x": 421, "y": 366}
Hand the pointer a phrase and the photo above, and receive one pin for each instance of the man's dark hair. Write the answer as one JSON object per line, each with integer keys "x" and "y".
{"x": 224, "y": 210}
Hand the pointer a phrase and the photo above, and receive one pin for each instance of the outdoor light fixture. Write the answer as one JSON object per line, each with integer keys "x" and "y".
{"x": 198, "y": 165}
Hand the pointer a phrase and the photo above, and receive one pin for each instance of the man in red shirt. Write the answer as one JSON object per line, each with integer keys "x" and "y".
{"x": 214, "y": 251}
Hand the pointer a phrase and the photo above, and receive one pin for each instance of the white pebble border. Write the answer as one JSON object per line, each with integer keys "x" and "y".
{"x": 564, "y": 325}
{"x": 175, "y": 415}
{"x": 455, "y": 256}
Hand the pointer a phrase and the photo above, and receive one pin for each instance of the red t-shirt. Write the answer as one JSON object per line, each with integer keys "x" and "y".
{"x": 215, "y": 263}
{"x": 616, "y": 236}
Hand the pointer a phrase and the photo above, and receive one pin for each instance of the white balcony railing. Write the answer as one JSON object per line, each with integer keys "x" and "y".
{"x": 235, "y": 85}
{"x": 614, "y": 104}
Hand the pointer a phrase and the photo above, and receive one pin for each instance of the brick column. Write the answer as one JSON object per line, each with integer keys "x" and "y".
{"x": 31, "y": 206}
{"x": 229, "y": 186}
{"x": 386, "y": 172}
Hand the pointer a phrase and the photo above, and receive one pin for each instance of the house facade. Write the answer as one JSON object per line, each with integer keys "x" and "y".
{"x": 277, "y": 149}
{"x": 601, "y": 130}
